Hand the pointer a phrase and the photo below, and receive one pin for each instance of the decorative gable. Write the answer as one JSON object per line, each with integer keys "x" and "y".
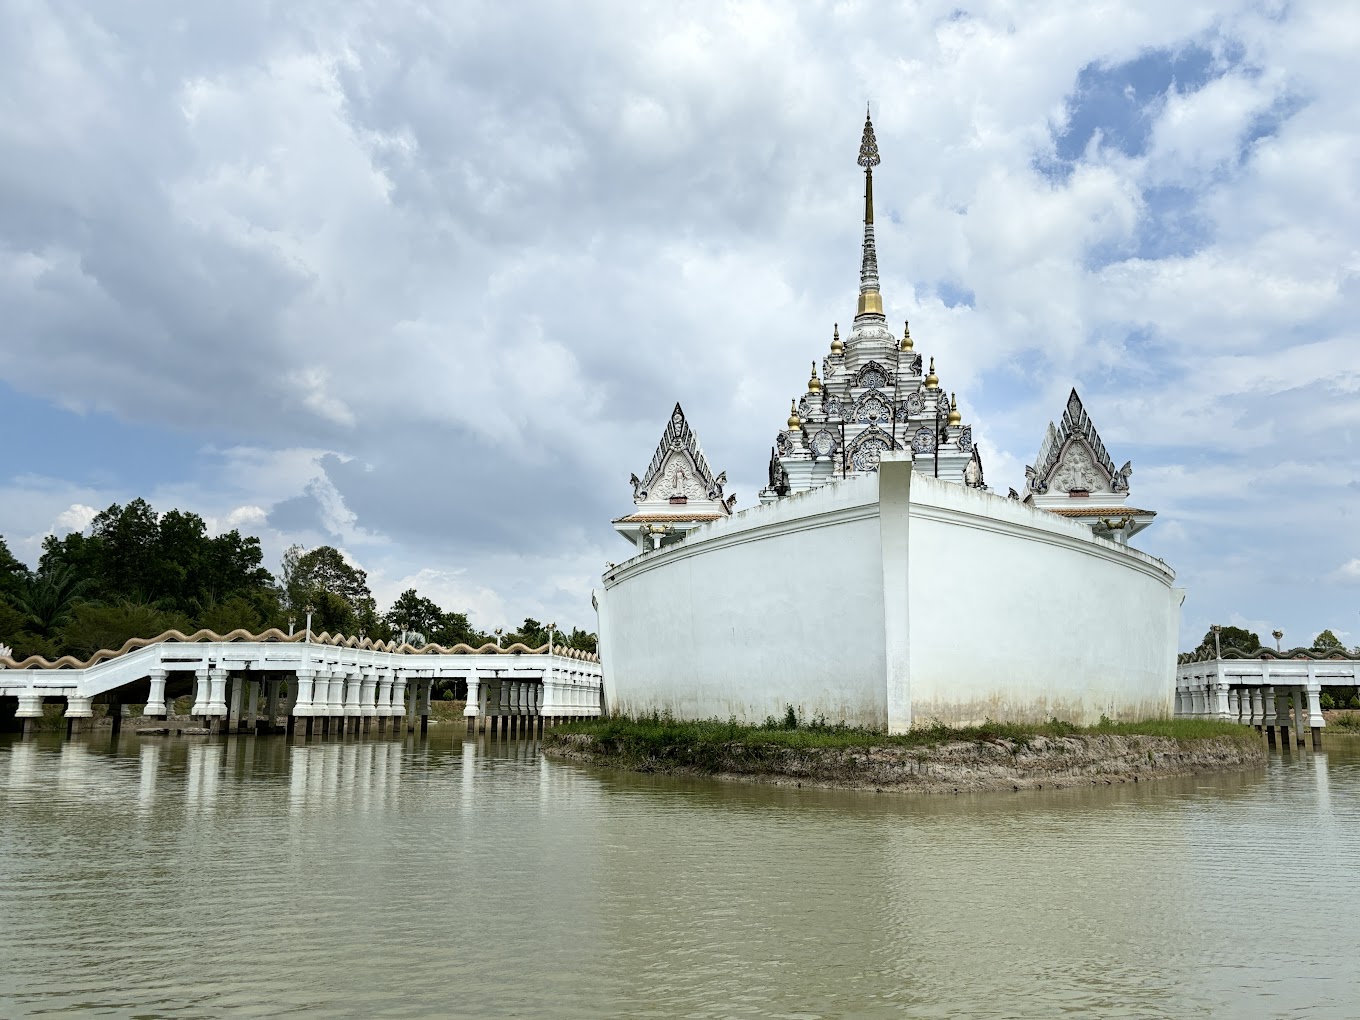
{"x": 1073, "y": 461}
{"x": 678, "y": 469}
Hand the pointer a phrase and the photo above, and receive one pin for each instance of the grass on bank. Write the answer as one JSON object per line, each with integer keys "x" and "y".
{"x": 697, "y": 742}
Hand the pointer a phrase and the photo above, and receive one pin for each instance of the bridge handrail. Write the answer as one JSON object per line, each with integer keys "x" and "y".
{"x": 273, "y": 634}
{"x": 1207, "y": 655}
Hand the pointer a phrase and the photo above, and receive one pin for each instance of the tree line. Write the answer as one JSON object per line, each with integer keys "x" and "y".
{"x": 137, "y": 573}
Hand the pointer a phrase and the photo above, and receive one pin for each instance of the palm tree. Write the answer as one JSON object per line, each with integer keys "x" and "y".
{"x": 48, "y": 598}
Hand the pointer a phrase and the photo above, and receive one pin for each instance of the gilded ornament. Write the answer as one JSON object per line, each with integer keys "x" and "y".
{"x": 954, "y": 416}
{"x": 932, "y": 380}
{"x": 907, "y": 343}
{"x": 794, "y": 421}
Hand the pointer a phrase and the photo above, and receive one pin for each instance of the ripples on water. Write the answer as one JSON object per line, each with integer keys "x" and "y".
{"x": 194, "y": 878}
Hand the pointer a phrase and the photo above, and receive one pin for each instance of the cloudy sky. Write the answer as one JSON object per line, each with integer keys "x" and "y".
{"x": 423, "y": 281}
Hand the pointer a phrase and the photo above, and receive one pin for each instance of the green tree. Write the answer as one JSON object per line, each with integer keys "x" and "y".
{"x": 12, "y": 572}
{"x": 1328, "y": 642}
{"x": 583, "y": 641}
{"x": 413, "y": 612}
{"x": 336, "y": 592}
{"x": 48, "y": 598}
{"x": 1231, "y": 637}
{"x": 94, "y": 626}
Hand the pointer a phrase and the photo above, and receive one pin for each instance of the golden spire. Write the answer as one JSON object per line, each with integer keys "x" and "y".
{"x": 794, "y": 420}
{"x": 837, "y": 345}
{"x": 870, "y": 301}
{"x": 954, "y": 416}
{"x": 814, "y": 384}
{"x": 906, "y": 337}
{"x": 932, "y": 380}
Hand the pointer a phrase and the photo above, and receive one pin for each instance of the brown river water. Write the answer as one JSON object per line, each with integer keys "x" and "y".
{"x": 202, "y": 877}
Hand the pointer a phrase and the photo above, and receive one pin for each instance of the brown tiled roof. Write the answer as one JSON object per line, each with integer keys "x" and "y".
{"x": 1099, "y": 511}
{"x": 662, "y": 518}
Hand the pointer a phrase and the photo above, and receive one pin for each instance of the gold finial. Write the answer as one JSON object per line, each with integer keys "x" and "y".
{"x": 907, "y": 343}
{"x": 814, "y": 384}
{"x": 837, "y": 346}
{"x": 794, "y": 420}
{"x": 954, "y": 416}
{"x": 932, "y": 380}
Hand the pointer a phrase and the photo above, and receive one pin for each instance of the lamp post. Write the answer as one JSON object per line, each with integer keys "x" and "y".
{"x": 309, "y": 624}
{"x": 1277, "y": 634}
{"x": 1218, "y": 652}
{"x": 552, "y": 629}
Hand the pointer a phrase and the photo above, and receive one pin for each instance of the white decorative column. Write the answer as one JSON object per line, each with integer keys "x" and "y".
{"x": 301, "y": 691}
{"x": 1315, "y": 719}
{"x": 1268, "y": 703}
{"x": 202, "y": 694}
{"x": 79, "y": 707}
{"x": 399, "y": 696}
{"x": 368, "y": 690}
{"x": 1219, "y": 705}
{"x": 335, "y": 703}
{"x": 474, "y": 694}
{"x": 155, "y": 700}
{"x": 217, "y": 698}
{"x": 384, "y": 701}
{"x": 1299, "y": 719}
{"x": 30, "y": 709}
{"x": 1234, "y": 709}
{"x": 353, "y": 682}
{"x": 1258, "y": 711}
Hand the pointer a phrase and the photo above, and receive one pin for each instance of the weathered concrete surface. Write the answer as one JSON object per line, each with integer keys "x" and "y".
{"x": 959, "y": 767}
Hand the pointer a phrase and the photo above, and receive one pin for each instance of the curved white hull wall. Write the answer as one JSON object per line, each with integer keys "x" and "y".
{"x": 750, "y": 620}
{"x": 888, "y": 599}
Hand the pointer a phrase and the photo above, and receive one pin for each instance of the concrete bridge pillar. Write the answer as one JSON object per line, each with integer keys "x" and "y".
{"x": 398, "y": 701}
{"x": 1282, "y": 715}
{"x": 217, "y": 693}
{"x": 199, "y": 708}
{"x": 302, "y": 693}
{"x": 474, "y": 695}
{"x": 155, "y": 700}
{"x": 1315, "y": 719}
{"x": 1219, "y": 706}
{"x": 1257, "y": 709}
{"x": 78, "y": 709}
{"x": 368, "y": 698}
{"x": 352, "y": 709}
{"x": 1268, "y": 713}
{"x": 335, "y": 703}
{"x": 1234, "y": 706}
{"x": 1300, "y": 722}
{"x": 30, "y": 711}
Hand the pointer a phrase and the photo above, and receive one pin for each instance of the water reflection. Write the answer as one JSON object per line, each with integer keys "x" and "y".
{"x": 543, "y": 890}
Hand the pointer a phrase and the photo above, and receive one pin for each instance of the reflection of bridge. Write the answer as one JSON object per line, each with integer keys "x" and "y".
{"x": 352, "y": 775}
{"x": 1269, "y": 690}
{"x": 244, "y": 682}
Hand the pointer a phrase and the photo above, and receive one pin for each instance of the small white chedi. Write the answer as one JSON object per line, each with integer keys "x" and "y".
{"x": 879, "y": 582}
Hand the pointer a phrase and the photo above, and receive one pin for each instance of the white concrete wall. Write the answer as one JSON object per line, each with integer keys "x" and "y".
{"x": 951, "y": 604}
{"x": 779, "y": 605}
{"x": 1018, "y": 614}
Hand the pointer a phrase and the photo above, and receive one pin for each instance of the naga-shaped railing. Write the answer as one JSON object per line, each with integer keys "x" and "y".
{"x": 273, "y": 634}
{"x": 1207, "y": 655}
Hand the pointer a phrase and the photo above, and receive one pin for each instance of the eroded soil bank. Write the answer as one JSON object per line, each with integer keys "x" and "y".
{"x": 953, "y": 767}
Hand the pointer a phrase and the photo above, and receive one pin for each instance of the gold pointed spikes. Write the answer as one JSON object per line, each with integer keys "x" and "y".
{"x": 814, "y": 384}
{"x": 907, "y": 343}
{"x": 932, "y": 380}
{"x": 954, "y": 416}
{"x": 868, "y": 145}
{"x": 794, "y": 421}
{"x": 837, "y": 345}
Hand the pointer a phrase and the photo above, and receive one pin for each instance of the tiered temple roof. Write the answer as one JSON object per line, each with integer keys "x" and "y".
{"x": 874, "y": 394}
{"x": 678, "y": 493}
{"x": 1074, "y": 476}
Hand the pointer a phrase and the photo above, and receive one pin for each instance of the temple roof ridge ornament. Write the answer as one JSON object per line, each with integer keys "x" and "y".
{"x": 1075, "y": 422}
{"x": 678, "y": 436}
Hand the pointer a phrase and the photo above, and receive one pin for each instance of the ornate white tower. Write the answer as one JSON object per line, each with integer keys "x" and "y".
{"x": 678, "y": 493}
{"x": 874, "y": 394}
{"x": 1075, "y": 477}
